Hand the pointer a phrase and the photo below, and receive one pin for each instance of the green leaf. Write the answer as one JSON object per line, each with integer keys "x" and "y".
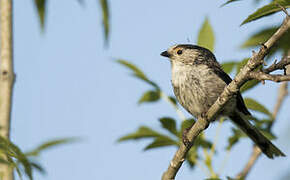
{"x": 41, "y": 10}
{"x": 200, "y": 141}
{"x": 249, "y": 85}
{"x": 206, "y": 36}
{"x": 241, "y": 64}
{"x": 268, "y": 134}
{"x": 192, "y": 156}
{"x": 149, "y": 96}
{"x": 173, "y": 100}
{"x": 263, "y": 35}
{"x": 232, "y": 140}
{"x": 229, "y": 1}
{"x": 38, "y": 167}
{"x": 161, "y": 141}
{"x": 254, "y": 105}
{"x": 259, "y": 37}
{"x": 228, "y": 66}
{"x": 267, "y": 10}
{"x": 106, "y": 18}
{"x": 137, "y": 72}
{"x": 142, "y": 132}
{"x": 50, "y": 144}
{"x": 169, "y": 124}
{"x": 185, "y": 125}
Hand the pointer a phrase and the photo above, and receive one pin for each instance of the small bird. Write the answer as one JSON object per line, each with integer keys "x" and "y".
{"x": 198, "y": 80}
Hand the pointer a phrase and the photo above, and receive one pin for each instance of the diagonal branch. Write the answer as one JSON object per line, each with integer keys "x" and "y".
{"x": 229, "y": 91}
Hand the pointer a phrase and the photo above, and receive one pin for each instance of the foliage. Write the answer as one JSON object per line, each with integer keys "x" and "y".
{"x": 23, "y": 161}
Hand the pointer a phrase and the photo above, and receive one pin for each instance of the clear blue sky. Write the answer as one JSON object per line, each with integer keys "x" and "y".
{"x": 69, "y": 85}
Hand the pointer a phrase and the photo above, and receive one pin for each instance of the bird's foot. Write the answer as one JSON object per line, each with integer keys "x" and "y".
{"x": 185, "y": 140}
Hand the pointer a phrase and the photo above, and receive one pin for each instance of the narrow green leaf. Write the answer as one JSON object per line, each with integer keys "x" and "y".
{"x": 268, "y": 134}
{"x": 142, "y": 132}
{"x": 41, "y": 10}
{"x": 228, "y": 66}
{"x": 199, "y": 141}
{"x": 254, "y": 105}
{"x": 161, "y": 141}
{"x": 249, "y": 85}
{"x": 173, "y": 100}
{"x": 206, "y": 36}
{"x": 228, "y": 2}
{"x": 267, "y": 10}
{"x": 38, "y": 167}
{"x": 169, "y": 124}
{"x": 149, "y": 96}
{"x": 50, "y": 144}
{"x": 137, "y": 72}
{"x": 106, "y": 18}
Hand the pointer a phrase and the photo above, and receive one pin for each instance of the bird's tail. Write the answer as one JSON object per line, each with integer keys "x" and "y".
{"x": 260, "y": 140}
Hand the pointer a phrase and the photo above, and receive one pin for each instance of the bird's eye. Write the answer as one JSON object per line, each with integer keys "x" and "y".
{"x": 179, "y": 52}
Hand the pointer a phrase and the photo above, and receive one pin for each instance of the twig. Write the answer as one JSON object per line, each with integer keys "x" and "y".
{"x": 203, "y": 122}
{"x": 282, "y": 93}
{"x": 263, "y": 76}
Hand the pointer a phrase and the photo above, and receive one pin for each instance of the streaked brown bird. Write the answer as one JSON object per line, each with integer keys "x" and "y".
{"x": 198, "y": 80}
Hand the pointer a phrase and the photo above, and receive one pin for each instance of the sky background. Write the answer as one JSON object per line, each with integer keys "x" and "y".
{"x": 68, "y": 85}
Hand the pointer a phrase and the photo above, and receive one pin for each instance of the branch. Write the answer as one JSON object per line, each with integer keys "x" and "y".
{"x": 6, "y": 78}
{"x": 202, "y": 122}
{"x": 261, "y": 76}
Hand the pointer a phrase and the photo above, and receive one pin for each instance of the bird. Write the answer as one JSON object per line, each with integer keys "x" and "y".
{"x": 198, "y": 80}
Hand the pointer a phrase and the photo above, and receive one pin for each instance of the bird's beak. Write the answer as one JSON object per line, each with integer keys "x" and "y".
{"x": 165, "y": 54}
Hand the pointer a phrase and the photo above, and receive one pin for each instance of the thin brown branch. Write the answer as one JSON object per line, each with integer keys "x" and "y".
{"x": 202, "y": 122}
{"x": 278, "y": 66}
{"x": 261, "y": 76}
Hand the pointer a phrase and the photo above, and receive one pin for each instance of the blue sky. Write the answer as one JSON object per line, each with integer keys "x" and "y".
{"x": 69, "y": 85}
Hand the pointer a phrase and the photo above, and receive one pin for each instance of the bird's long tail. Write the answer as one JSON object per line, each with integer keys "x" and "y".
{"x": 260, "y": 140}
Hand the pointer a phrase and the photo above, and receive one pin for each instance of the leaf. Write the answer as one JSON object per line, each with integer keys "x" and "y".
{"x": 249, "y": 85}
{"x": 149, "y": 96}
{"x": 228, "y": 66}
{"x": 268, "y": 134}
{"x": 142, "y": 132}
{"x": 38, "y": 167}
{"x": 106, "y": 18}
{"x": 137, "y": 72}
{"x": 232, "y": 140}
{"x": 161, "y": 141}
{"x": 192, "y": 156}
{"x": 169, "y": 124}
{"x": 186, "y": 124}
{"x": 41, "y": 10}
{"x": 267, "y": 10}
{"x": 173, "y": 100}
{"x": 200, "y": 141}
{"x": 50, "y": 144}
{"x": 241, "y": 64}
{"x": 254, "y": 105}
{"x": 263, "y": 35}
{"x": 206, "y": 36}
{"x": 229, "y": 1}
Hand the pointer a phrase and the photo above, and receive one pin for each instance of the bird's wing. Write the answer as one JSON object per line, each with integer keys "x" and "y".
{"x": 227, "y": 79}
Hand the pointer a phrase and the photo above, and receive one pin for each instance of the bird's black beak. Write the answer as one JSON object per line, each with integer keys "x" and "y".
{"x": 165, "y": 54}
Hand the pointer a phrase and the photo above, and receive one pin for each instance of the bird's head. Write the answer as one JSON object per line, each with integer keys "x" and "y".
{"x": 188, "y": 54}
